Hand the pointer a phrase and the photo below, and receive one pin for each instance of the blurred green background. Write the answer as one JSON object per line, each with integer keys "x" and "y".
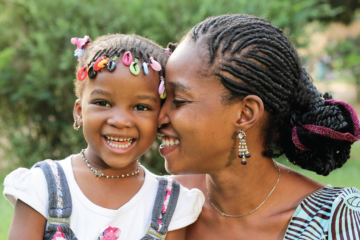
{"x": 37, "y": 65}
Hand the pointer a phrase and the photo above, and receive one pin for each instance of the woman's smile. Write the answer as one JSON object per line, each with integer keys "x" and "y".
{"x": 168, "y": 144}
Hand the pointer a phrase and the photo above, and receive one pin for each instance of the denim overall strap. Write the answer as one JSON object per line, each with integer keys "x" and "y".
{"x": 60, "y": 204}
{"x": 164, "y": 208}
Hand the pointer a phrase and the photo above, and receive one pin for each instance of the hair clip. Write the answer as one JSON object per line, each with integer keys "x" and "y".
{"x": 111, "y": 65}
{"x": 155, "y": 65}
{"x": 162, "y": 90}
{"x": 82, "y": 73}
{"x": 134, "y": 67}
{"x": 127, "y": 58}
{"x": 81, "y": 43}
{"x": 145, "y": 67}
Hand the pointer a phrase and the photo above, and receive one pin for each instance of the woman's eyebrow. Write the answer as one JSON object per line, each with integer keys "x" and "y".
{"x": 99, "y": 91}
{"x": 180, "y": 86}
{"x": 146, "y": 97}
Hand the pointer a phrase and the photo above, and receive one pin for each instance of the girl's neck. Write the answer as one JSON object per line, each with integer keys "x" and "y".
{"x": 99, "y": 164}
{"x": 239, "y": 189}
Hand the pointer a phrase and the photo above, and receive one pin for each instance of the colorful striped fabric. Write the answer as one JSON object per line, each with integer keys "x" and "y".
{"x": 329, "y": 213}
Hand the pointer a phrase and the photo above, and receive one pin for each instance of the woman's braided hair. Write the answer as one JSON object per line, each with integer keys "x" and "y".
{"x": 252, "y": 56}
{"x": 116, "y": 44}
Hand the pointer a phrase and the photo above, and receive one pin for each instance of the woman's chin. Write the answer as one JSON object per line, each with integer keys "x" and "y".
{"x": 173, "y": 169}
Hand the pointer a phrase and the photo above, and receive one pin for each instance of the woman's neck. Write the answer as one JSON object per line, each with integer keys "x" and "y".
{"x": 239, "y": 189}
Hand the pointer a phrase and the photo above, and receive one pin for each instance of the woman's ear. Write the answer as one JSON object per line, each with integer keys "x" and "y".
{"x": 77, "y": 113}
{"x": 250, "y": 112}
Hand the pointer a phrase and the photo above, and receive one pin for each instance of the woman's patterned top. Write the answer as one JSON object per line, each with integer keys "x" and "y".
{"x": 329, "y": 213}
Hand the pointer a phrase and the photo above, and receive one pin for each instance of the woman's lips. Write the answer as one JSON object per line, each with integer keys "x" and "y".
{"x": 168, "y": 145}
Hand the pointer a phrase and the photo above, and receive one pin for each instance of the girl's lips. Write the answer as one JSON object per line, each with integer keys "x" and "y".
{"x": 119, "y": 147}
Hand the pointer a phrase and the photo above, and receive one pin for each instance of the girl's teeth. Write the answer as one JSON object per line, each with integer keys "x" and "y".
{"x": 171, "y": 142}
{"x": 177, "y": 142}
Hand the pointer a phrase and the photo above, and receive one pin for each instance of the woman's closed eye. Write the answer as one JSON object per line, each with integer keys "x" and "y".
{"x": 102, "y": 103}
{"x": 178, "y": 103}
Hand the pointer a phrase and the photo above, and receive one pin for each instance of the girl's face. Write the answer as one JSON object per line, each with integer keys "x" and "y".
{"x": 194, "y": 116}
{"x": 119, "y": 112}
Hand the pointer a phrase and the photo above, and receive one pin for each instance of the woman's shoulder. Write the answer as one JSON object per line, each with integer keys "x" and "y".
{"x": 329, "y": 212}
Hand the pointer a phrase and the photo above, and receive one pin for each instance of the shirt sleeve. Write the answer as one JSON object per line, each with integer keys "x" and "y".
{"x": 188, "y": 208}
{"x": 29, "y": 186}
{"x": 345, "y": 216}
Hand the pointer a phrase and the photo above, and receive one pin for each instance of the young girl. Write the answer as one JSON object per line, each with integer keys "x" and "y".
{"x": 103, "y": 192}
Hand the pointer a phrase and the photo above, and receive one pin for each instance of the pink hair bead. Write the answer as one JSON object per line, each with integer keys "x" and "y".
{"x": 155, "y": 65}
{"x": 127, "y": 58}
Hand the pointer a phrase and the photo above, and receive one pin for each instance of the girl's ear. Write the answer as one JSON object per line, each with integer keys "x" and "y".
{"x": 250, "y": 112}
{"x": 77, "y": 113}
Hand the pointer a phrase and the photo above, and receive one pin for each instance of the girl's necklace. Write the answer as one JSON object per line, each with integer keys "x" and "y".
{"x": 99, "y": 174}
{"x": 242, "y": 215}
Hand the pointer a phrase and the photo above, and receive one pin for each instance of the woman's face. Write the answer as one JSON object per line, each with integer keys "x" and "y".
{"x": 194, "y": 118}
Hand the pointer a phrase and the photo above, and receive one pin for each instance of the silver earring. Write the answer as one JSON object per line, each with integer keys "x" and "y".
{"x": 243, "y": 151}
{"x": 76, "y": 126}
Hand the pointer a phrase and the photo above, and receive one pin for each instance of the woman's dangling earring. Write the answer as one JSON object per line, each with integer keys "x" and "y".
{"x": 76, "y": 126}
{"x": 243, "y": 151}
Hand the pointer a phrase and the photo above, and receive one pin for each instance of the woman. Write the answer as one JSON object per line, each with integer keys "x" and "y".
{"x": 236, "y": 80}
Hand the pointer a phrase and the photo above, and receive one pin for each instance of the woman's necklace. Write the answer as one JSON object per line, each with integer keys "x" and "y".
{"x": 99, "y": 174}
{"x": 242, "y": 215}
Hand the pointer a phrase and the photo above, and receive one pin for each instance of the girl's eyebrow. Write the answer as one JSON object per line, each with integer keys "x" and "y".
{"x": 99, "y": 91}
{"x": 146, "y": 97}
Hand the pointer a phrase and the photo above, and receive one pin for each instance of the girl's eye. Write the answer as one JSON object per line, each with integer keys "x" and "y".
{"x": 103, "y": 104}
{"x": 141, "y": 108}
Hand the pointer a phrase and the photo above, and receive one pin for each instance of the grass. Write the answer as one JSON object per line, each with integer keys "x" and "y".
{"x": 347, "y": 176}
{"x": 6, "y": 210}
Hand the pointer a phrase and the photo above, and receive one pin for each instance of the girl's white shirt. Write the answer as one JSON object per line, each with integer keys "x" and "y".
{"x": 88, "y": 219}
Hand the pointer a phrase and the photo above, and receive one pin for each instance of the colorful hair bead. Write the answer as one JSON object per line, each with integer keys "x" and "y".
{"x": 145, "y": 67}
{"x": 127, "y": 58}
{"x": 96, "y": 67}
{"x": 91, "y": 72}
{"x": 82, "y": 73}
{"x": 111, "y": 65}
{"x": 163, "y": 96}
{"x": 155, "y": 65}
{"x": 103, "y": 63}
{"x": 134, "y": 67}
{"x": 162, "y": 91}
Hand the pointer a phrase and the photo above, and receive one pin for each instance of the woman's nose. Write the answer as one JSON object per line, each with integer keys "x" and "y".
{"x": 163, "y": 116}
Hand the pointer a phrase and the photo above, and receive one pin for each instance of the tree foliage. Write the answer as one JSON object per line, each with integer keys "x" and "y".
{"x": 37, "y": 63}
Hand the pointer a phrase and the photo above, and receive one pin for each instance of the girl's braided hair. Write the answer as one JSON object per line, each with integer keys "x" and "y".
{"x": 251, "y": 56}
{"x": 116, "y": 44}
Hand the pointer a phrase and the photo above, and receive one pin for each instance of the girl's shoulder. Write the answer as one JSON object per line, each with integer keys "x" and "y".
{"x": 328, "y": 213}
{"x": 188, "y": 206}
{"x": 28, "y": 185}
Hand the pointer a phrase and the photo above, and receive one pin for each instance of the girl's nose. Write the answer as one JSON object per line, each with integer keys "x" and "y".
{"x": 120, "y": 120}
